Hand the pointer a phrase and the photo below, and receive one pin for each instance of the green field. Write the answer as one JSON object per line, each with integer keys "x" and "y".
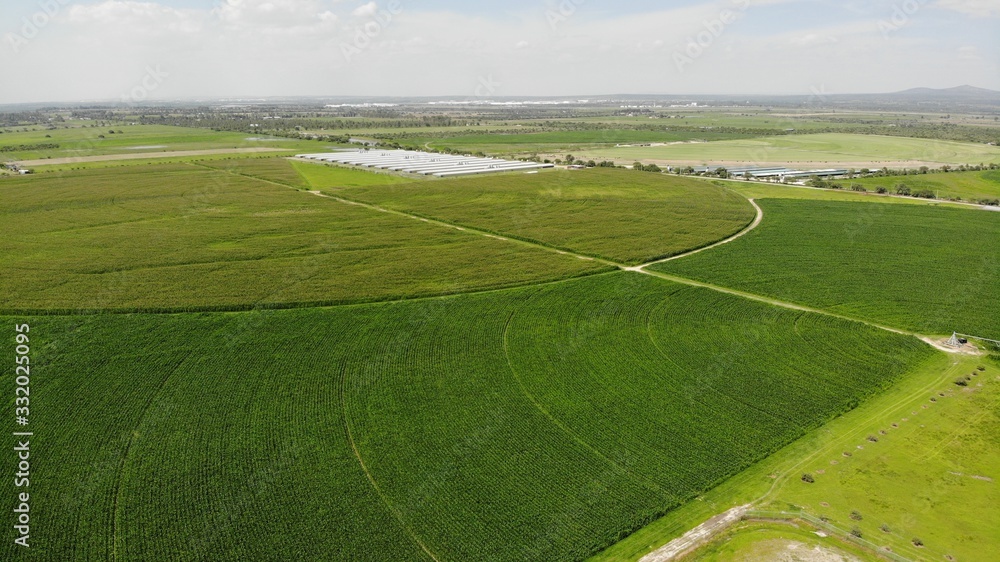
{"x": 227, "y": 367}
{"x": 931, "y": 475}
{"x": 776, "y": 541}
{"x": 80, "y": 141}
{"x": 182, "y": 237}
{"x": 620, "y": 215}
{"x": 835, "y": 149}
{"x": 321, "y": 177}
{"x": 540, "y": 423}
{"x": 564, "y": 140}
{"x": 766, "y": 483}
{"x": 970, "y": 186}
{"x": 927, "y": 269}
{"x": 767, "y": 190}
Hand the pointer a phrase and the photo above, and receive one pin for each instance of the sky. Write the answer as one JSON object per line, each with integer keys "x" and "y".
{"x": 132, "y": 51}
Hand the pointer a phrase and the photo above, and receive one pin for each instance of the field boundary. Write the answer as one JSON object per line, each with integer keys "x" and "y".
{"x": 756, "y": 222}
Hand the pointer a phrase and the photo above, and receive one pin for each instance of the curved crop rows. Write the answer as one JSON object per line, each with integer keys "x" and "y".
{"x": 619, "y": 215}
{"x": 926, "y": 269}
{"x": 532, "y": 424}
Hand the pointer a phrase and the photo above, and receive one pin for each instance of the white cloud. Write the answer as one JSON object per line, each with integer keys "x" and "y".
{"x": 978, "y": 8}
{"x": 365, "y": 10}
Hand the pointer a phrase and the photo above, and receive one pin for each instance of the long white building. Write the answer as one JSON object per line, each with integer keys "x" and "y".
{"x": 426, "y": 163}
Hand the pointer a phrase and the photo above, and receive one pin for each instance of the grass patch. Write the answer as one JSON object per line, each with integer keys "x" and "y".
{"x": 776, "y": 541}
{"x": 970, "y": 186}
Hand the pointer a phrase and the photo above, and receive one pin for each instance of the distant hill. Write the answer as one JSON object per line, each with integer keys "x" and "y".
{"x": 960, "y": 93}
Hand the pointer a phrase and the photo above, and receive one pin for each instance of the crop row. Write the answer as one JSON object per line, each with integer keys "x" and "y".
{"x": 927, "y": 269}
{"x": 532, "y": 424}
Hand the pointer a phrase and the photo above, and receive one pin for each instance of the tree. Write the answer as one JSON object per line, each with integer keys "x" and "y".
{"x": 902, "y": 189}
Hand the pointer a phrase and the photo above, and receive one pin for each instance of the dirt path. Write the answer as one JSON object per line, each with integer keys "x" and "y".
{"x": 697, "y": 536}
{"x": 146, "y": 156}
{"x": 756, "y": 222}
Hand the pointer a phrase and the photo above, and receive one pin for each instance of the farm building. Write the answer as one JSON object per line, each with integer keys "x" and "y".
{"x": 425, "y": 163}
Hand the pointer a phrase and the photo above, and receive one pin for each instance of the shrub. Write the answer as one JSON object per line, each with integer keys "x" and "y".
{"x": 961, "y": 382}
{"x": 917, "y": 542}
{"x": 855, "y": 515}
{"x": 858, "y": 187}
{"x": 856, "y": 532}
{"x": 885, "y": 528}
{"x": 881, "y": 190}
{"x": 808, "y": 478}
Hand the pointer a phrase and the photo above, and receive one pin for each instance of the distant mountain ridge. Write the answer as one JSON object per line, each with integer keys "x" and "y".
{"x": 957, "y": 93}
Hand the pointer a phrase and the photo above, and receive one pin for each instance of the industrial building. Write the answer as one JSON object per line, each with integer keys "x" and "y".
{"x": 425, "y": 163}
{"x": 765, "y": 173}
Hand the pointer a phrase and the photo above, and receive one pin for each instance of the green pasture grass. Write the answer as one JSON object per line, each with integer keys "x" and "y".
{"x": 932, "y": 270}
{"x": 970, "y": 186}
{"x": 621, "y": 215}
{"x": 776, "y": 541}
{"x": 541, "y": 423}
{"x": 834, "y": 149}
{"x": 931, "y": 474}
{"x": 765, "y": 483}
{"x": 181, "y": 237}
{"x": 85, "y": 141}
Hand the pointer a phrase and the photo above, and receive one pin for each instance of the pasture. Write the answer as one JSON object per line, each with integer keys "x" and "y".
{"x": 825, "y": 150}
{"x": 541, "y": 423}
{"x": 619, "y": 215}
{"x": 970, "y": 186}
{"x": 92, "y": 140}
{"x": 930, "y": 474}
{"x": 932, "y": 270}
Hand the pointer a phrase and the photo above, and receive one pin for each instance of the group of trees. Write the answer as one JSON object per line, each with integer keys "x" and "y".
{"x": 647, "y": 167}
